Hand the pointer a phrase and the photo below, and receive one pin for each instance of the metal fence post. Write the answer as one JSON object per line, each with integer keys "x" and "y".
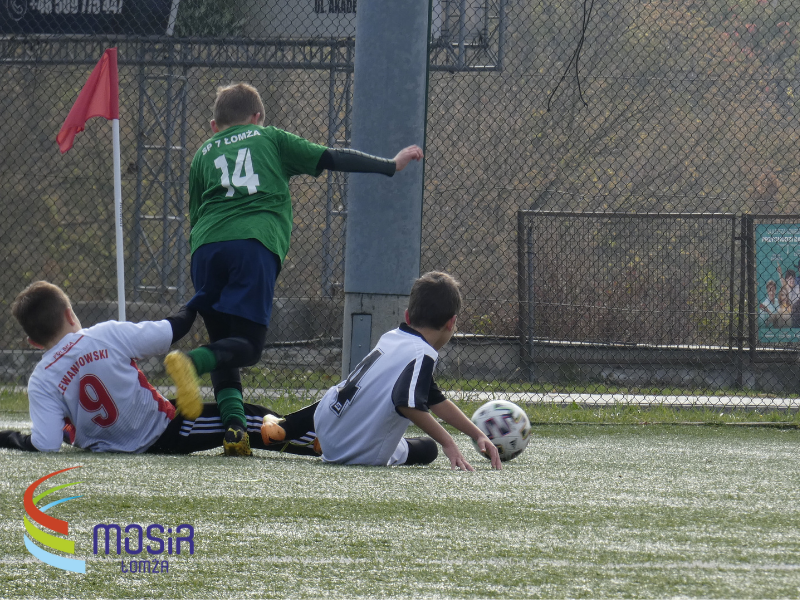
{"x": 752, "y": 311}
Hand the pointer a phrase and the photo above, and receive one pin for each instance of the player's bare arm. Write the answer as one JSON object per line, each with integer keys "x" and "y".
{"x": 451, "y": 414}
{"x": 431, "y": 427}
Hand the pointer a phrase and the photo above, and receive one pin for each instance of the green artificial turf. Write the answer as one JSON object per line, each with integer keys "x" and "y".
{"x": 588, "y": 511}
{"x": 15, "y": 402}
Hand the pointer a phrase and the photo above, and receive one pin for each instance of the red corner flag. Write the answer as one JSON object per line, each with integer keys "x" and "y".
{"x": 98, "y": 98}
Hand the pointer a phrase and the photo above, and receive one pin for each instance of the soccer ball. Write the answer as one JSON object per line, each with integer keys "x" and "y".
{"x": 506, "y": 425}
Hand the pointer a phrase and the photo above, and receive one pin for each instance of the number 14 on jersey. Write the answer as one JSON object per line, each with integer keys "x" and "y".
{"x": 243, "y": 174}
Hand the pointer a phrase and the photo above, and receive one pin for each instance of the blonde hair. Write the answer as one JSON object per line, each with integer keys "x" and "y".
{"x": 236, "y": 103}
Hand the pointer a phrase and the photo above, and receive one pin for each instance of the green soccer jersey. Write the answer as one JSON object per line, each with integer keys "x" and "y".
{"x": 239, "y": 185}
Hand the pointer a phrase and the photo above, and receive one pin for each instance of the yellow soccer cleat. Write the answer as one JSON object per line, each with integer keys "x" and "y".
{"x": 271, "y": 430}
{"x": 181, "y": 369}
{"x": 236, "y": 442}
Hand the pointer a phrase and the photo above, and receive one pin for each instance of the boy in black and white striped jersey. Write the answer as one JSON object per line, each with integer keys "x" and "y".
{"x": 363, "y": 419}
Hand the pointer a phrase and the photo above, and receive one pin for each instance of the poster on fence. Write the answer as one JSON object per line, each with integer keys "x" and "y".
{"x": 142, "y": 17}
{"x": 778, "y": 282}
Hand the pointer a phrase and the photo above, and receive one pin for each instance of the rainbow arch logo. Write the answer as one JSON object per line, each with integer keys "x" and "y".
{"x": 48, "y": 540}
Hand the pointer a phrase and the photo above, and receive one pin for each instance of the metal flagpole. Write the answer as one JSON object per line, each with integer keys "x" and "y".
{"x": 118, "y": 221}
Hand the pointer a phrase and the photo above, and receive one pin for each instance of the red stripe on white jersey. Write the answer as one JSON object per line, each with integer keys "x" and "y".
{"x": 60, "y": 354}
{"x": 164, "y": 405}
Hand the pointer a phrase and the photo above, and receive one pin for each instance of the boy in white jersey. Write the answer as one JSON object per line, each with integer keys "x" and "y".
{"x": 88, "y": 391}
{"x": 362, "y": 420}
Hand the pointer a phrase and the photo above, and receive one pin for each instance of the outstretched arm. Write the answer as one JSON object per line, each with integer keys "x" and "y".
{"x": 450, "y": 413}
{"x": 352, "y": 161}
{"x": 431, "y": 426}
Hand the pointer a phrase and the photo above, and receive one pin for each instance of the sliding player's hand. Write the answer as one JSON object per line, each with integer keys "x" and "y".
{"x": 406, "y": 155}
{"x": 457, "y": 460}
{"x": 488, "y": 449}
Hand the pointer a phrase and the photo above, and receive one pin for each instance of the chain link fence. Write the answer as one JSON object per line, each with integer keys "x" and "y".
{"x": 615, "y": 184}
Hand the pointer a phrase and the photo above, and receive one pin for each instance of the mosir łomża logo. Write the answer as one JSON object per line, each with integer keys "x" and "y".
{"x": 145, "y": 545}
{"x": 148, "y": 547}
{"x": 38, "y": 514}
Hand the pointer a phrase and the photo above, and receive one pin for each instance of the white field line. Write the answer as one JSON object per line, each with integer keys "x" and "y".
{"x": 589, "y": 400}
{"x": 583, "y": 399}
{"x": 551, "y": 398}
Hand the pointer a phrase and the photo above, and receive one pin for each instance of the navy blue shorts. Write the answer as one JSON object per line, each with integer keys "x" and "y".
{"x": 235, "y": 278}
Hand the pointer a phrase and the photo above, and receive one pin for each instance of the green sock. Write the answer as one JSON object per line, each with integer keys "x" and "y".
{"x": 231, "y": 407}
{"x": 204, "y": 360}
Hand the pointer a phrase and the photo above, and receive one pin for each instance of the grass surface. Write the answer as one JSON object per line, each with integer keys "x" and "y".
{"x": 311, "y": 380}
{"x": 16, "y": 403}
{"x": 619, "y": 511}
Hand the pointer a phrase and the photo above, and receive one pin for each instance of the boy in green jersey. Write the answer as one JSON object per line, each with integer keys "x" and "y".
{"x": 241, "y": 218}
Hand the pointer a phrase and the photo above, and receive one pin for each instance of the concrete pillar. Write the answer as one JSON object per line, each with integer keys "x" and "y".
{"x": 384, "y": 215}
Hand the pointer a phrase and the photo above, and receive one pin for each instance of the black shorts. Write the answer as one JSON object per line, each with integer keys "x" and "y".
{"x": 184, "y": 436}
